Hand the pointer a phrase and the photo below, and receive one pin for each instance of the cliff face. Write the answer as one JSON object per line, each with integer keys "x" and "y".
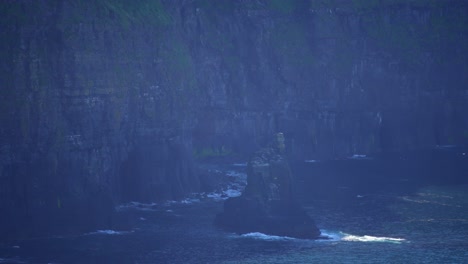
{"x": 109, "y": 101}
{"x": 338, "y": 78}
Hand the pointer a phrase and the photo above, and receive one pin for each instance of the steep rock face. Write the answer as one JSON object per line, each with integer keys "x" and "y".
{"x": 337, "y": 78}
{"x": 86, "y": 124}
{"x": 109, "y": 100}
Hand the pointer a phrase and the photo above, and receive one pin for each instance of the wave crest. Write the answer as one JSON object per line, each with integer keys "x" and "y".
{"x": 367, "y": 238}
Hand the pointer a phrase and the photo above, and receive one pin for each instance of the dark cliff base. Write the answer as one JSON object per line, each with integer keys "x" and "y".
{"x": 67, "y": 215}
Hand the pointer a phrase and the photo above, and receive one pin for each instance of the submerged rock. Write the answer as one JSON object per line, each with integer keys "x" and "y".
{"x": 267, "y": 205}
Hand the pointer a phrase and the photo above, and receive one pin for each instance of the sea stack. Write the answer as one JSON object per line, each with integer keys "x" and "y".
{"x": 268, "y": 205}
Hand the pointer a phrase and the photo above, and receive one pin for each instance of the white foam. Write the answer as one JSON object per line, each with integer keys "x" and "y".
{"x": 232, "y": 193}
{"x": 330, "y": 237}
{"x": 366, "y": 238}
{"x": 237, "y": 184}
{"x": 261, "y": 236}
{"x": 310, "y": 161}
{"x": 108, "y": 232}
{"x": 340, "y": 236}
{"x": 225, "y": 194}
{"x": 240, "y": 164}
{"x": 333, "y": 236}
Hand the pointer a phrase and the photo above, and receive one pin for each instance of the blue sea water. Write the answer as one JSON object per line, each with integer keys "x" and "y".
{"x": 403, "y": 209}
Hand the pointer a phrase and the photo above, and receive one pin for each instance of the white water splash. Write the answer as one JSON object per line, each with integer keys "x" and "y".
{"x": 261, "y": 236}
{"x": 366, "y": 238}
{"x": 326, "y": 236}
{"x": 340, "y": 236}
{"x": 332, "y": 236}
{"x": 225, "y": 194}
{"x": 232, "y": 193}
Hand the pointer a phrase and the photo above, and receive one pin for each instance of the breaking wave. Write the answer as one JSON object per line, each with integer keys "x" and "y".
{"x": 327, "y": 236}
{"x": 340, "y": 236}
{"x": 366, "y": 238}
{"x": 261, "y": 236}
{"x": 332, "y": 236}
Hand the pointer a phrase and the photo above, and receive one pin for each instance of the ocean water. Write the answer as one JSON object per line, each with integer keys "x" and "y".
{"x": 398, "y": 209}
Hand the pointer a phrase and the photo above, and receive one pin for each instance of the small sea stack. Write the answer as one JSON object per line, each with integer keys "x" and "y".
{"x": 267, "y": 205}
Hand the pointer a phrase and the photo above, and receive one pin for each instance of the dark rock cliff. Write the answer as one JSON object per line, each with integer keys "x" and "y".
{"x": 104, "y": 102}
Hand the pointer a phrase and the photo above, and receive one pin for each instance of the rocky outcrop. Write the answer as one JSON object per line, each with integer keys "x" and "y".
{"x": 268, "y": 205}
